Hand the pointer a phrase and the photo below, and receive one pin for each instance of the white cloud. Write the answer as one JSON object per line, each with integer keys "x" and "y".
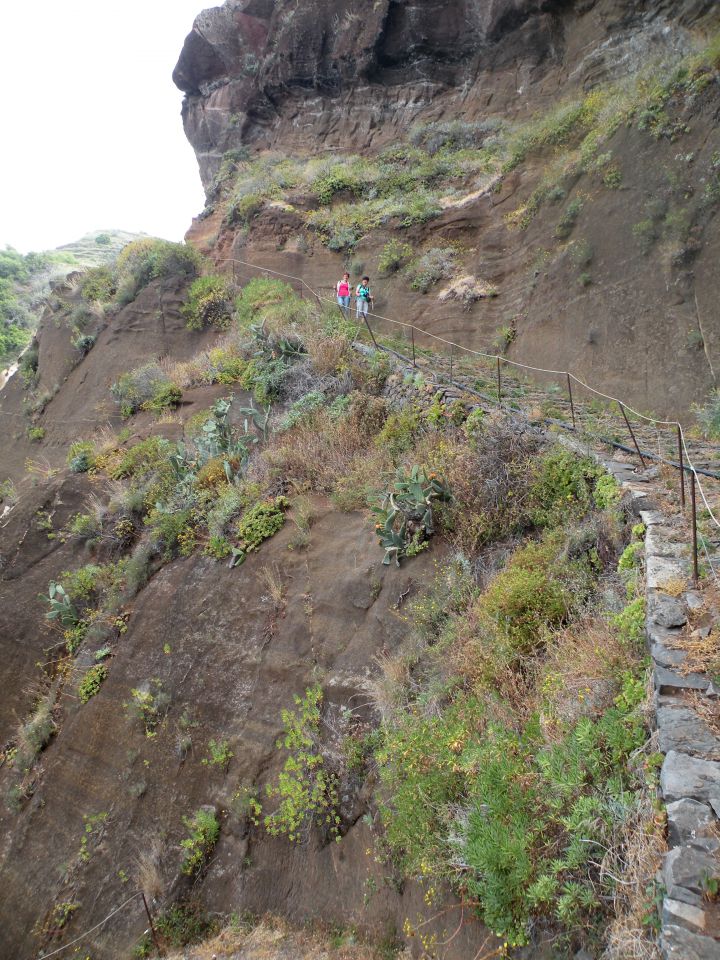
{"x": 92, "y": 135}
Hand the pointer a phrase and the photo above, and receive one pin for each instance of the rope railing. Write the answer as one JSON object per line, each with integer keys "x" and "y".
{"x": 685, "y": 465}
{"x": 84, "y": 936}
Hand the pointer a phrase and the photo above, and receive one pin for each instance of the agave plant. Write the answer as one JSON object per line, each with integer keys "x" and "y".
{"x": 405, "y": 515}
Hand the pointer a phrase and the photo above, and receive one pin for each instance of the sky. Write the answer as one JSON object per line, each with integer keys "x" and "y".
{"x": 92, "y": 137}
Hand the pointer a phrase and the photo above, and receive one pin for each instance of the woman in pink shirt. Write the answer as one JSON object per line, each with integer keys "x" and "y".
{"x": 342, "y": 289}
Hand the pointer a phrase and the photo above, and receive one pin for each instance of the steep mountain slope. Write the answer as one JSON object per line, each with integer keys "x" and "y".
{"x": 215, "y": 690}
{"x": 249, "y": 738}
{"x": 566, "y": 150}
{"x": 25, "y": 282}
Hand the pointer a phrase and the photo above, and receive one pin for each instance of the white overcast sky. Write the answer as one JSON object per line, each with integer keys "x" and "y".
{"x": 91, "y": 131}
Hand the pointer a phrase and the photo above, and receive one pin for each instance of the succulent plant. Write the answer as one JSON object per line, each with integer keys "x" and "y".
{"x": 405, "y": 515}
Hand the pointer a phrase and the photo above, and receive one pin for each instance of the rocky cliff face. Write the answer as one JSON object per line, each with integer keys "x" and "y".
{"x": 351, "y": 74}
{"x": 333, "y": 79}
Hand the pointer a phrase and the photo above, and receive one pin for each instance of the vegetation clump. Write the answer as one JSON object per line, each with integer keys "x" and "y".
{"x": 306, "y": 790}
{"x": 405, "y": 516}
{"x": 209, "y": 303}
{"x": 91, "y": 682}
{"x": 203, "y": 829}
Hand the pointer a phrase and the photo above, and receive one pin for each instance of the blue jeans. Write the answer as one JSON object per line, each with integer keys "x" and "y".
{"x": 344, "y": 302}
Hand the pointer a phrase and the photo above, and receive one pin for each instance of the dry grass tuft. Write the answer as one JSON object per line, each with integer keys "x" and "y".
{"x": 273, "y": 939}
{"x": 579, "y": 675}
{"x": 149, "y": 876}
{"x": 271, "y": 581}
{"x": 674, "y": 586}
{"x": 703, "y": 654}
{"x": 707, "y": 710}
{"x": 388, "y": 690}
{"x": 319, "y": 455}
{"x": 328, "y": 354}
{"x": 634, "y": 859}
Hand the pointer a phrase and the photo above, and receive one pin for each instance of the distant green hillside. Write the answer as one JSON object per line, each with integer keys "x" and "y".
{"x": 25, "y": 281}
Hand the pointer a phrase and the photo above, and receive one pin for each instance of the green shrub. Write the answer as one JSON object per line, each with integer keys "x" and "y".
{"x": 204, "y": 831}
{"x": 418, "y": 758}
{"x": 303, "y": 409}
{"x": 708, "y": 416}
{"x": 513, "y": 820}
{"x": 393, "y": 256}
{"x": 28, "y": 366}
{"x": 220, "y": 754}
{"x": 263, "y": 376}
{"x": 528, "y": 597}
{"x": 306, "y": 790}
{"x": 98, "y": 285}
{"x": 179, "y": 926}
{"x": 259, "y": 523}
{"x": 272, "y": 301}
{"x": 166, "y": 396}
{"x": 568, "y": 219}
{"x": 645, "y": 233}
{"x": 399, "y": 432}
{"x": 141, "y": 386}
{"x": 243, "y": 209}
{"x": 81, "y": 456}
{"x": 83, "y": 343}
{"x": 218, "y": 547}
{"x": 630, "y": 624}
{"x": 436, "y": 264}
{"x": 632, "y": 555}
{"x": 83, "y": 584}
{"x": 607, "y": 492}
{"x": 145, "y": 260}
{"x": 209, "y": 303}
{"x": 91, "y": 682}
{"x": 342, "y": 226}
{"x": 562, "y": 484}
{"x": 172, "y": 530}
{"x": 35, "y": 434}
{"x": 339, "y": 177}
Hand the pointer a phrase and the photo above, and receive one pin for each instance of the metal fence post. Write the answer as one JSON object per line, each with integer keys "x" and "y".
{"x": 637, "y": 448}
{"x": 152, "y": 926}
{"x": 696, "y": 574}
{"x": 412, "y": 332}
{"x": 682, "y": 467}
{"x": 498, "y": 380}
{"x": 367, "y": 324}
{"x": 572, "y": 405}
{"x": 451, "y": 362}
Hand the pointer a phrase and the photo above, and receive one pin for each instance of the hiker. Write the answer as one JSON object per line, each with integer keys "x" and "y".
{"x": 363, "y": 297}
{"x": 342, "y": 288}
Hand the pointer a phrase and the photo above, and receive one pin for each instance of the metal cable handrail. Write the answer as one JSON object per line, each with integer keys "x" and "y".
{"x": 688, "y": 465}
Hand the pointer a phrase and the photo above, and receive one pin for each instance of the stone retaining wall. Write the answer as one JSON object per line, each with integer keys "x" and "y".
{"x": 690, "y": 776}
